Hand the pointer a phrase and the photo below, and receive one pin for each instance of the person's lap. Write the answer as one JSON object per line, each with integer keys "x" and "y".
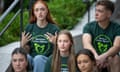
{"x": 113, "y": 65}
{"x": 37, "y": 61}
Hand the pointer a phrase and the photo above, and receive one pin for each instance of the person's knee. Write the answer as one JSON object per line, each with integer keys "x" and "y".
{"x": 29, "y": 57}
{"x": 114, "y": 60}
{"x": 40, "y": 58}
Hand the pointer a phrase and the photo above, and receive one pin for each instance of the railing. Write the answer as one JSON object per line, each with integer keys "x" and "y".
{"x": 2, "y": 17}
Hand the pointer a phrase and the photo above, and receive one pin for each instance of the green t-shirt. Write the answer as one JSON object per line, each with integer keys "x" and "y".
{"x": 64, "y": 66}
{"x": 40, "y": 45}
{"x": 102, "y": 39}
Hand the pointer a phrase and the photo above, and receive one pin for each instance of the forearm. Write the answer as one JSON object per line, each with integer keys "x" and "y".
{"x": 115, "y": 48}
{"x": 26, "y": 37}
{"x": 22, "y": 44}
{"x": 87, "y": 43}
{"x": 112, "y": 51}
{"x": 91, "y": 48}
{"x": 26, "y": 47}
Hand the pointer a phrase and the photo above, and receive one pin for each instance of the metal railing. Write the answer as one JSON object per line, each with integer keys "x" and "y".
{"x": 8, "y": 10}
{"x": 20, "y": 11}
{"x": 9, "y": 23}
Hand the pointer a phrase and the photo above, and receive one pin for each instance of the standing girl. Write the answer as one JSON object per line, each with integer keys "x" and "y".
{"x": 39, "y": 35}
{"x": 63, "y": 59}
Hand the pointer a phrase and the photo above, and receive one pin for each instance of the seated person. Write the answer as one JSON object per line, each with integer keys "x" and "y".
{"x": 63, "y": 58}
{"x": 102, "y": 37}
{"x": 85, "y": 61}
{"x": 19, "y": 61}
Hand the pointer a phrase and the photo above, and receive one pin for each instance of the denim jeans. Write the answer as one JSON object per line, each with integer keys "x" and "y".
{"x": 38, "y": 62}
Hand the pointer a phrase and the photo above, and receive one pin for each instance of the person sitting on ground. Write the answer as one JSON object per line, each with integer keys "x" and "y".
{"x": 39, "y": 36}
{"x": 63, "y": 58}
{"x": 85, "y": 61}
{"x": 19, "y": 61}
{"x": 102, "y": 37}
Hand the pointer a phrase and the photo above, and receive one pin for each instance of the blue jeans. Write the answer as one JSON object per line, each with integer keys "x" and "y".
{"x": 38, "y": 62}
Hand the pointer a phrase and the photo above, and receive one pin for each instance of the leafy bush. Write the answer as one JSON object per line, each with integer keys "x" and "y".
{"x": 13, "y": 32}
{"x": 67, "y": 12}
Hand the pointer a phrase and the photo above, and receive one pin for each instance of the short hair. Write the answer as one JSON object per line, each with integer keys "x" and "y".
{"x": 109, "y": 5}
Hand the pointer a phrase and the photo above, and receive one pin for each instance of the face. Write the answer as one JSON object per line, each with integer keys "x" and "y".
{"x": 84, "y": 63}
{"x": 19, "y": 63}
{"x": 40, "y": 11}
{"x": 101, "y": 14}
{"x": 63, "y": 43}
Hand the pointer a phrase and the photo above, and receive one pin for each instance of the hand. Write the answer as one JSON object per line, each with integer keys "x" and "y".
{"x": 96, "y": 56}
{"x": 51, "y": 38}
{"x": 26, "y": 37}
{"x": 101, "y": 61}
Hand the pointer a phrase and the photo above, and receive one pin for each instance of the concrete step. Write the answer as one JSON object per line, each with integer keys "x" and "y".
{"x": 5, "y": 55}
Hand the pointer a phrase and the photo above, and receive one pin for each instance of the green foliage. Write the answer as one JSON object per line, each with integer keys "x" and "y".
{"x": 13, "y": 32}
{"x": 67, "y": 13}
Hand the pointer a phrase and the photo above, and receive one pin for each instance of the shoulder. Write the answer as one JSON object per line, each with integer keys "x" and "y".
{"x": 115, "y": 26}
{"x": 92, "y": 23}
{"x": 29, "y": 27}
{"x": 90, "y": 26}
{"x": 113, "y": 23}
{"x": 54, "y": 27}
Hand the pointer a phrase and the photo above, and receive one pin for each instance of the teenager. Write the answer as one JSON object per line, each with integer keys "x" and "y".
{"x": 63, "y": 58}
{"x": 39, "y": 35}
{"x": 102, "y": 37}
{"x": 19, "y": 61}
{"x": 86, "y": 61}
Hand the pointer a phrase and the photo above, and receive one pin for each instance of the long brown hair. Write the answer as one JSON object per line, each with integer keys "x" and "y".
{"x": 48, "y": 17}
{"x": 56, "y": 61}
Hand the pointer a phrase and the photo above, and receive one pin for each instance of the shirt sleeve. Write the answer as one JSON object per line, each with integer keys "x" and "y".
{"x": 56, "y": 29}
{"x": 29, "y": 28}
{"x": 86, "y": 28}
{"x": 118, "y": 30}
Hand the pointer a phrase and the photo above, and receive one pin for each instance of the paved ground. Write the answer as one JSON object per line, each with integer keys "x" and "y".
{"x": 5, "y": 53}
